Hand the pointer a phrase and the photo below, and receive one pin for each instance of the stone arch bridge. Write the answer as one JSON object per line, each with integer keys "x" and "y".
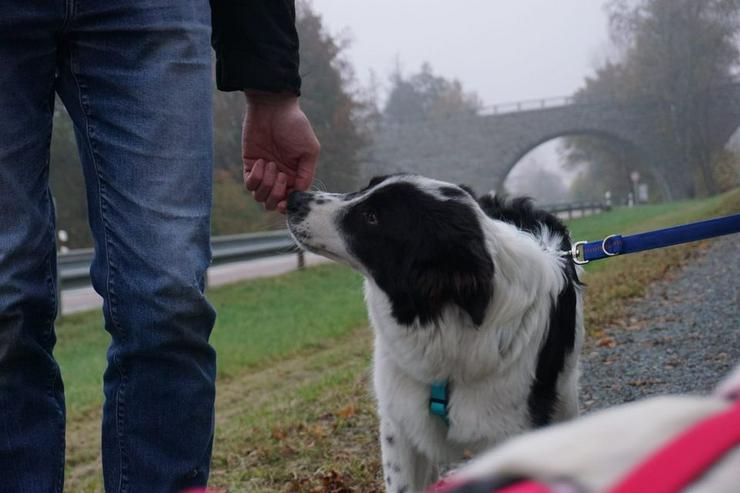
{"x": 481, "y": 151}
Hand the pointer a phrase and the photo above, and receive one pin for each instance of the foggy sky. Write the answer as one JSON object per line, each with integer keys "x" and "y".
{"x": 505, "y": 50}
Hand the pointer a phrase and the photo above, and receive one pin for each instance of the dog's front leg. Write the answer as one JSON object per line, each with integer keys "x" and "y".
{"x": 405, "y": 470}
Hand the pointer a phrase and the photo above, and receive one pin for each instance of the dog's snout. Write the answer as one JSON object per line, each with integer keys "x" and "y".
{"x": 298, "y": 205}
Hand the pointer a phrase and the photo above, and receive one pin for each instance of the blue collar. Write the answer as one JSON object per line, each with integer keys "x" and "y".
{"x": 439, "y": 400}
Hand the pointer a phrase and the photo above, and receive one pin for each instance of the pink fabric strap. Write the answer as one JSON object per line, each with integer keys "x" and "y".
{"x": 676, "y": 465}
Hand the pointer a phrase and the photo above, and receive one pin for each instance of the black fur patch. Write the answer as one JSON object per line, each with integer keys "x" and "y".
{"x": 451, "y": 192}
{"x": 488, "y": 485}
{"x": 376, "y": 180}
{"x": 562, "y": 324}
{"x": 558, "y": 345}
{"x": 424, "y": 253}
{"x": 468, "y": 190}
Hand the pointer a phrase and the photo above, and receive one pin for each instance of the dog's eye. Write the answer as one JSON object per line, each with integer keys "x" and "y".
{"x": 370, "y": 218}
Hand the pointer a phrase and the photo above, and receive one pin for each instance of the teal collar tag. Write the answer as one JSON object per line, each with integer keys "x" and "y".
{"x": 439, "y": 400}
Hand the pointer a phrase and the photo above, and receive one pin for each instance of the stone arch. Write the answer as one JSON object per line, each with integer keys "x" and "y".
{"x": 616, "y": 141}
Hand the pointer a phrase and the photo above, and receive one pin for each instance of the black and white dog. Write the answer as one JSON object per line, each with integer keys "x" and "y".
{"x": 473, "y": 293}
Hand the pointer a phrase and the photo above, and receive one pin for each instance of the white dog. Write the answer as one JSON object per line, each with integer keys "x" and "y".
{"x": 624, "y": 448}
{"x": 476, "y": 311}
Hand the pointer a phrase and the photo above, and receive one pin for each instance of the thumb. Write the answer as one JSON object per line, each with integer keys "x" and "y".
{"x": 305, "y": 172}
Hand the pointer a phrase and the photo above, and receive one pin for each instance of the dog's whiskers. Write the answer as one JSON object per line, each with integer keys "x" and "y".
{"x": 319, "y": 186}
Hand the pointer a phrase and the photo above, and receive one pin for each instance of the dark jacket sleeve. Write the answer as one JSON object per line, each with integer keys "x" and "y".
{"x": 256, "y": 45}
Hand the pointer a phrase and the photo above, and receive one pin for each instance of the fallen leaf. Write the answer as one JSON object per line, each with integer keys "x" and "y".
{"x": 347, "y": 411}
{"x": 278, "y": 434}
{"x": 317, "y": 431}
{"x": 606, "y": 342}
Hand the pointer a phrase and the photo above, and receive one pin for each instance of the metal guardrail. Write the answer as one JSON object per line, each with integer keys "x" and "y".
{"x": 74, "y": 266}
{"x": 571, "y": 208}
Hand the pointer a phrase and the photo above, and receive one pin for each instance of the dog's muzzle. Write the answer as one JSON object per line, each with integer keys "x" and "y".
{"x": 298, "y": 206}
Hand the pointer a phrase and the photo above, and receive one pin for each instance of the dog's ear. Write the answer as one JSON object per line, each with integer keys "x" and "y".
{"x": 465, "y": 280}
{"x": 377, "y": 180}
{"x": 468, "y": 190}
{"x": 472, "y": 292}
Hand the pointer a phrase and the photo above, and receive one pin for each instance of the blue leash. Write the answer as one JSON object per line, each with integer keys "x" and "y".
{"x": 585, "y": 251}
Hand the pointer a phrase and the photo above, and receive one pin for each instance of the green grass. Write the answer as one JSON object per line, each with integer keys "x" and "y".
{"x": 258, "y": 322}
{"x": 309, "y": 422}
{"x": 626, "y": 220}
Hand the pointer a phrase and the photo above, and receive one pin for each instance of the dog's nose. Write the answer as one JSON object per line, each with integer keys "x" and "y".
{"x": 297, "y": 200}
{"x": 298, "y": 205}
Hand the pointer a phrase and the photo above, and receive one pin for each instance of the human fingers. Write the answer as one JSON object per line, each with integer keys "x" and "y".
{"x": 282, "y": 206}
{"x": 268, "y": 180}
{"x": 306, "y": 171}
{"x": 278, "y": 192}
{"x": 247, "y": 165}
{"x": 253, "y": 179}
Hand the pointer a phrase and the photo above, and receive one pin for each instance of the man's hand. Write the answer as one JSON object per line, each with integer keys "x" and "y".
{"x": 279, "y": 148}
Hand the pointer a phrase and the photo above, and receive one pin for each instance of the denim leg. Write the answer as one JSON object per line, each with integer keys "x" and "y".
{"x": 31, "y": 393}
{"x": 136, "y": 79}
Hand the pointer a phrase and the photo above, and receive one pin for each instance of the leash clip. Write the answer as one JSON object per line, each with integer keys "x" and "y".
{"x": 578, "y": 254}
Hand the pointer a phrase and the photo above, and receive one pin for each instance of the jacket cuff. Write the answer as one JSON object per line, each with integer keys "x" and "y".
{"x": 241, "y": 70}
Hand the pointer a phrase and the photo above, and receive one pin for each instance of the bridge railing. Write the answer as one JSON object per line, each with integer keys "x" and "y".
{"x": 526, "y": 105}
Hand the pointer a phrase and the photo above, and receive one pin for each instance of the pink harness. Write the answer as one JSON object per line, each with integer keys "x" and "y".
{"x": 671, "y": 468}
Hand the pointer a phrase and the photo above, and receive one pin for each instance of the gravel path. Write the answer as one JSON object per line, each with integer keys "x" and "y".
{"x": 683, "y": 336}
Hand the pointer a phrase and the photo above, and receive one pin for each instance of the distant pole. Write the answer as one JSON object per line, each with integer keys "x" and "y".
{"x": 58, "y": 289}
{"x": 62, "y": 235}
{"x": 301, "y": 260}
{"x": 635, "y": 179}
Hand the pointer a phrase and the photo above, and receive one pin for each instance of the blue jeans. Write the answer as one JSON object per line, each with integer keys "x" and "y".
{"x": 135, "y": 75}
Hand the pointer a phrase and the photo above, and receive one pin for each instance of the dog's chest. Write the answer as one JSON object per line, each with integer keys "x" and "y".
{"x": 480, "y": 414}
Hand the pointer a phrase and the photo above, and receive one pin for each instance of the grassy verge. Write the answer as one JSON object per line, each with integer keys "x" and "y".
{"x": 308, "y": 423}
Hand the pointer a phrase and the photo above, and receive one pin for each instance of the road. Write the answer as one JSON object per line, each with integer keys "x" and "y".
{"x": 77, "y": 300}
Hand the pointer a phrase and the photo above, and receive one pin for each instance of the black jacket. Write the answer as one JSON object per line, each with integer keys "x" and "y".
{"x": 256, "y": 45}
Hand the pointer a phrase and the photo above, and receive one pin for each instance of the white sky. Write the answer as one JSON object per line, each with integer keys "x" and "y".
{"x": 505, "y": 50}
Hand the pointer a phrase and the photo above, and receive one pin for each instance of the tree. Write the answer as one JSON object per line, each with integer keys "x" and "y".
{"x": 425, "y": 96}
{"x": 337, "y": 113}
{"x": 673, "y": 52}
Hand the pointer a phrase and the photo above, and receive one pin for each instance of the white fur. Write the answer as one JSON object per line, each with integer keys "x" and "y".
{"x": 491, "y": 367}
{"x": 596, "y": 451}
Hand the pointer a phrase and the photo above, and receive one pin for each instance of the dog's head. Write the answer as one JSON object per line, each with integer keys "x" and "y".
{"x": 419, "y": 240}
